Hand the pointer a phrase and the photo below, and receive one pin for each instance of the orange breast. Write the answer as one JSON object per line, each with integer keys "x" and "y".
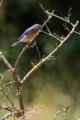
{"x": 30, "y": 36}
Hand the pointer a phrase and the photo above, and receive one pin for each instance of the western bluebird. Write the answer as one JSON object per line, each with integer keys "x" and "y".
{"x": 29, "y": 34}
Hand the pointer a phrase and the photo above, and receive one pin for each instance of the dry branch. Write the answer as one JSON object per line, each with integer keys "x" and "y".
{"x": 20, "y": 55}
{"x": 15, "y": 114}
{"x": 5, "y": 61}
{"x": 16, "y": 82}
{"x": 51, "y": 54}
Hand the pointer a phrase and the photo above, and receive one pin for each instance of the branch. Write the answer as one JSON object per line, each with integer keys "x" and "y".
{"x": 49, "y": 56}
{"x": 66, "y": 19}
{"x": 14, "y": 114}
{"x": 37, "y": 51}
{"x": 5, "y": 94}
{"x": 19, "y": 57}
{"x": 5, "y": 61}
{"x": 53, "y": 15}
{"x": 6, "y": 108}
{"x": 16, "y": 81}
{"x": 63, "y": 19}
{"x": 48, "y": 19}
{"x": 19, "y": 90}
{"x": 6, "y": 116}
{"x": 50, "y": 34}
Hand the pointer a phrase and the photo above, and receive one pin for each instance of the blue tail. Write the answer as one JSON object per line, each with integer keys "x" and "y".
{"x": 15, "y": 44}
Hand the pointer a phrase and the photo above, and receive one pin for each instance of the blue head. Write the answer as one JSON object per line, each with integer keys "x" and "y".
{"x": 37, "y": 27}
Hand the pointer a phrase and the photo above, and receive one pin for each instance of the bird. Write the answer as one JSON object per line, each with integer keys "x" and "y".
{"x": 29, "y": 34}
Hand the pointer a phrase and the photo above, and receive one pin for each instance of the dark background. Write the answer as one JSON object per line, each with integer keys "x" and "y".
{"x": 57, "y": 82}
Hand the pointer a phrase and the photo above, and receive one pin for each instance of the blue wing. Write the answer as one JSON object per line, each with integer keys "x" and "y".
{"x": 26, "y": 32}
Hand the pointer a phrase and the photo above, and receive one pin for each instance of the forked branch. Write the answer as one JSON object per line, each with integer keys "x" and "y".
{"x": 51, "y": 54}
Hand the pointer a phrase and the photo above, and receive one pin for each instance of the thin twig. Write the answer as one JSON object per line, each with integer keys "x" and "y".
{"x": 63, "y": 19}
{"x": 3, "y": 91}
{"x": 69, "y": 14}
{"x": 5, "y": 61}
{"x": 57, "y": 36}
{"x": 38, "y": 51}
{"x": 19, "y": 57}
{"x": 4, "y": 76}
{"x": 77, "y": 32}
{"x": 66, "y": 27}
{"x": 7, "y": 116}
{"x": 5, "y": 94}
{"x": 52, "y": 36}
{"x": 14, "y": 114}
{"x": 48, "y": 29}
{"x": 8, "y": 83}
{"x": 6, "y": 108}
{"x": 48, "y": 19}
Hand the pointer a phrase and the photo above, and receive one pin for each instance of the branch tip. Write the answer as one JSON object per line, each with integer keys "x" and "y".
{"x": 41, "y": 6}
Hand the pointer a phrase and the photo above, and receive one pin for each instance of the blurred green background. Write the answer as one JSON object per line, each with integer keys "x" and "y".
{"x": 57, "y": 83}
